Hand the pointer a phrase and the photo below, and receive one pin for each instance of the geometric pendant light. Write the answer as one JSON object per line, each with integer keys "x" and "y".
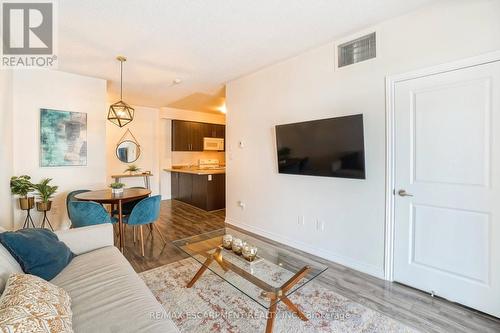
{"x": 120, "y": 113}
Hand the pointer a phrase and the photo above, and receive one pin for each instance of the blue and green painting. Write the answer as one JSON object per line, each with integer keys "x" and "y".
{"x": 63, "y": 138}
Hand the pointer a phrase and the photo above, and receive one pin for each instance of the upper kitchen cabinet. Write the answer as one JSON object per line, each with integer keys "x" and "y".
{"x": 220, "y": 131}
{"x": 181, "y": 135}
{"x": 215, "y": 131}
{"x": 197, "y": 134}
{"x": 210, "y": 131}
{"x": 188, "y": 135}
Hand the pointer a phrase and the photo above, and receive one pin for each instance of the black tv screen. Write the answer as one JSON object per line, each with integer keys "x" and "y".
{"x": 331, "y": 147}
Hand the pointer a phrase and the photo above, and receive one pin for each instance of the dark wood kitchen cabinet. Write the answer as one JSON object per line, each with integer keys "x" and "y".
{"x": 216, "y": 192}
{"x": 197, "y": 135}
{"x": 207, "y": 192}
{"x": 220, "y": 131}
{"x": 215, "y": 131}
{"x": 181, "y": 135}
{"x": 210, "y": 131}
{"x": 185, "y": 187}
{"x": 188, "y": 135}
{"x": 199, "y": 193}
{"x": 174, "y": 184}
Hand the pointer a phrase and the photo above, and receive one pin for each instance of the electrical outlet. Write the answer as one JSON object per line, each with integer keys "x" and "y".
{"x": 320, "y": 225}
{"x": 301, "y": 221}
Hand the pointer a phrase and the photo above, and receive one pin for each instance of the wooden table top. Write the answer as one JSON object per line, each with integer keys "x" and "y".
{"x": 106, "y": 196}
{"x": 127, "y": 175}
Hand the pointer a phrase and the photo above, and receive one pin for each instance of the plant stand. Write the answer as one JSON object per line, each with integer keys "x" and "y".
{"x": 46, "y": 219}
{"x": 28, "y": 220}
{"x": 44, "y": 207}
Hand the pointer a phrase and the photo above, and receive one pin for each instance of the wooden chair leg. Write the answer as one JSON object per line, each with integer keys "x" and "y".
{"x": 150, "y": 233}
{"x": 158, "y": 230}
{"x": 116, "y": 231}
{"x": 142, "y": 240}
{"x": 133, "y": 231}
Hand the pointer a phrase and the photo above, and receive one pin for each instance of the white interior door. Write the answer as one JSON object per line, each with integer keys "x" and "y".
{"x": 447, "y": 185}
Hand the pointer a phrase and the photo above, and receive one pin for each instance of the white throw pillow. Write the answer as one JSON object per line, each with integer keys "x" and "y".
{"x": 8, "y": 265}
{"x": 31, "y": 304}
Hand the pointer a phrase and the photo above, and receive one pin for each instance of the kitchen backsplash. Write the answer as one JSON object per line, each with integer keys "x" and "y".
{"x": 191, "y": 158}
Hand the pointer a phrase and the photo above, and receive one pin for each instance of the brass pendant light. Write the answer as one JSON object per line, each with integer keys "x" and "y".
{"x": 120, "y": 113}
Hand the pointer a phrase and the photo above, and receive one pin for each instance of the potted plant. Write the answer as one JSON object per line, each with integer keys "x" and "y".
{"x": 117, "y": 188}
{"x": 132, "y": 169}
{"x": 45, "y": 192}
{"x": 22, "y": 186}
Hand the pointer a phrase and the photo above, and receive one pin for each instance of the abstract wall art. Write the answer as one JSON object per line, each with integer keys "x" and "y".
{"x": 63, "y": 138}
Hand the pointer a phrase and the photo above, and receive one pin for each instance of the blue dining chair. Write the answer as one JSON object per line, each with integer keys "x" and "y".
{"x": 128, "y": 206}
{"x": 71, "y": 197}
{"x": 146, "y": 211}
{"x": 85, "y": 213}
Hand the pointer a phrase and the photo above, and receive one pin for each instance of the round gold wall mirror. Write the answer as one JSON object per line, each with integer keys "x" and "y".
{"x": 128, "y": 151}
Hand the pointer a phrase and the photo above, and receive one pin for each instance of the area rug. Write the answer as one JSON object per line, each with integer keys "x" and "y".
{"x": 213, "y": 305}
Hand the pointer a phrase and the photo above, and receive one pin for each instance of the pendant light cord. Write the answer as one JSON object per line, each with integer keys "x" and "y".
{"x": 121, "y": 80}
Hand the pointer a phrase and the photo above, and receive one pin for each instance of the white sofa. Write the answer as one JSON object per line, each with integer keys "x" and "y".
{"x": 106, "y": 293}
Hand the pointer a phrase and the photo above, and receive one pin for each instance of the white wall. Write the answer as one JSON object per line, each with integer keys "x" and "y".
{"x": 165, "y": 147}
{"x": 6, "y": 164}
{"x": 308, "y": 87}
{"x": 35, "y": 89}
{"x": 145, "y": 127}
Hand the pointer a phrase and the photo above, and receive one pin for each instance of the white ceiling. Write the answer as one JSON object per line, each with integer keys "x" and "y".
{"x": 204, "y": 42}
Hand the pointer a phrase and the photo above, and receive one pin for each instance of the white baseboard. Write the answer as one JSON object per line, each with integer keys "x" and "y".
{"x": 340, "y": 259}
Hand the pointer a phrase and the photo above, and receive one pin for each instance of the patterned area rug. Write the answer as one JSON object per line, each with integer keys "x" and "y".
{"x": 213, "y": 305}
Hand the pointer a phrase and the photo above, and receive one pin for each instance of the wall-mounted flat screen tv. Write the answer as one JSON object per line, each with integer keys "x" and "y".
{"x": 331, "y": 147}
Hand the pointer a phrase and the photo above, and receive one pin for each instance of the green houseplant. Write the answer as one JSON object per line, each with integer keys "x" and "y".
{"x": 116, "y": 187}
{"x": 132, "y": 168}
{"x": 45, "y": 192}
{"x": 22, "y": 186}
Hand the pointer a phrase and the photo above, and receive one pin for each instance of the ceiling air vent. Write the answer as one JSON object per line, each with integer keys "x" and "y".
{"x": 357, "y": 50}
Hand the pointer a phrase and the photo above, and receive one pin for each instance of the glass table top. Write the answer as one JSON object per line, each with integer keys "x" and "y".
{"x": 276, "y": 272}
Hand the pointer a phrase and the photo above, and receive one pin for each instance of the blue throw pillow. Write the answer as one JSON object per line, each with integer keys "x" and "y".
{"x": 38, "y": 251}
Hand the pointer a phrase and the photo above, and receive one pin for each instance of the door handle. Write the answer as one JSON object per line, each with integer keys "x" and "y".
{"x": 402, "y": 193}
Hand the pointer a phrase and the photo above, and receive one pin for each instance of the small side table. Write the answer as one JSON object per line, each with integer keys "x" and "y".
{"x": 145, "y": 176}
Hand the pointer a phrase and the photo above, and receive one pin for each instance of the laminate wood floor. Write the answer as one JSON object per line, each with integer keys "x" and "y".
{"x": 177, "y": 220}
{"x": 410, "y": 306}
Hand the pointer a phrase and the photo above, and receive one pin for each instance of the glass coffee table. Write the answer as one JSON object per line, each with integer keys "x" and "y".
{"x": 271, "y": 278}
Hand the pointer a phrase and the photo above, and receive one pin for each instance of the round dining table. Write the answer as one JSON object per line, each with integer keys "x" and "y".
{"x": 107, "y": 197}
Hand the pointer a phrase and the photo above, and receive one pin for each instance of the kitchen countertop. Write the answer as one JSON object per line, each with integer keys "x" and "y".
{"x": 197, "y": 171}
